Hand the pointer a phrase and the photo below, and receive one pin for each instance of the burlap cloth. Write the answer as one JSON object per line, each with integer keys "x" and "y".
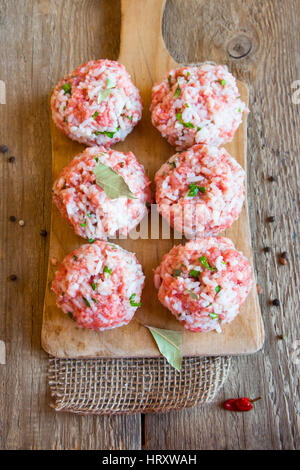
{"x": 126, "y": 386}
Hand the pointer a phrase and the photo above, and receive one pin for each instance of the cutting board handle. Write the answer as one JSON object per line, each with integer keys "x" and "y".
{"x": 141, "y": 31}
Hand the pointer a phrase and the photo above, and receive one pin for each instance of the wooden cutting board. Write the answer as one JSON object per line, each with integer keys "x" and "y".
{"x": 144, "y": 55}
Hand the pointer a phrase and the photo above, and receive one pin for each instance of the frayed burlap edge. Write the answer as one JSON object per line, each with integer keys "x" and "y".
{"x": 127, "y": 386}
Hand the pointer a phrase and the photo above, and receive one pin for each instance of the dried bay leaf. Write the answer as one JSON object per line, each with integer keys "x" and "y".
{"x": 169, "y": 343}
{"x": 111, "y": 182}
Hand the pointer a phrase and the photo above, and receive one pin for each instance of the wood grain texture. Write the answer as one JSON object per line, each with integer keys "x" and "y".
{"x": 273, "y": 149}
{"x": 46, "y": 38}
{"x": 40, "y": 40}
{"x": 148, "y": 63}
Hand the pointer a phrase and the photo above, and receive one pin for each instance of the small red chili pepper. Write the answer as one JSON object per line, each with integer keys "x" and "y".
{"x": 239, "y": 404}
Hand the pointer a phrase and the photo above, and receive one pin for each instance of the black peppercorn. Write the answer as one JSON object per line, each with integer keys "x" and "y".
{"x": 3, "y": 148}
{"x": 267, "y": 249}
{"x": 276, "y": 302}
{"x": 12, "y": 159}
{"x": 12, "y": 218}
{"x": 271, "y": 218}
{"x": 13, "y": 277}
{"x": 272, "y": 179}
{"x": 281, "y": 337}
{"x": 43, "y": 233}
{"x": 284, "y": 255}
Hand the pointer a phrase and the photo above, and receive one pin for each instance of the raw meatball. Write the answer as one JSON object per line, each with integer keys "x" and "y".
{"x": 200, "y": 191}
{"x": 97, "y": 104}
{"x": 99, "y": 286}
{"x": 195, "y": 105}
{"x": 83, "y": 203}
{"x": 204, "y": 283}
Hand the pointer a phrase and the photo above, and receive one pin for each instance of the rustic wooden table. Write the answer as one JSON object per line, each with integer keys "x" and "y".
{"x": 259, "y": 40}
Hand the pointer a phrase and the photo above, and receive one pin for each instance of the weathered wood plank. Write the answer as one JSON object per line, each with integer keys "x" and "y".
{"x": 273, "y": 149}
{"x": 40, "y": 41}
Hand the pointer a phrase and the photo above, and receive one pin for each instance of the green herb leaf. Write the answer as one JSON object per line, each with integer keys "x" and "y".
{"x": 222, "y": 82}
{"x": 218, "y": 288}
{"x": 67, "y": 88}
{"x": 189, "y": 124}
{"x": 213, "y": 315}
{"x": 83, "y": 225}
{"x": 95, "y": 114}
{"x": 193, "y": 295}
{"x": 133, "y": 303}
{"x": 111, "y": 182}
{"x": 75, "y": 257}
{"x": 194, "y": 273}
{"x": 110, "y": 83}
{"x": 198, "y": 128}
{"x": 114, "y": 247}
{"x": 70, "y": 314}
{"x": 94, "y": 286}
{"x": 193, "y": 190}
{"x": 106, "y": 270}
{"x": 103, "y": 95}
{"x": 172, "y": 164}
{"x": 91, "y": 240}
{"x": 205, "y": 263}
{"x": 94, "y": 300}
{"x": 169, "y": 343}
{"x": 179, "y": 117}
{"x": 109, "y": 134}
{"x": 177, "y": 272}
{"x": 177, "y": 91}
{"x": 185, "y": 124}
{"x": 86, "y": 301}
